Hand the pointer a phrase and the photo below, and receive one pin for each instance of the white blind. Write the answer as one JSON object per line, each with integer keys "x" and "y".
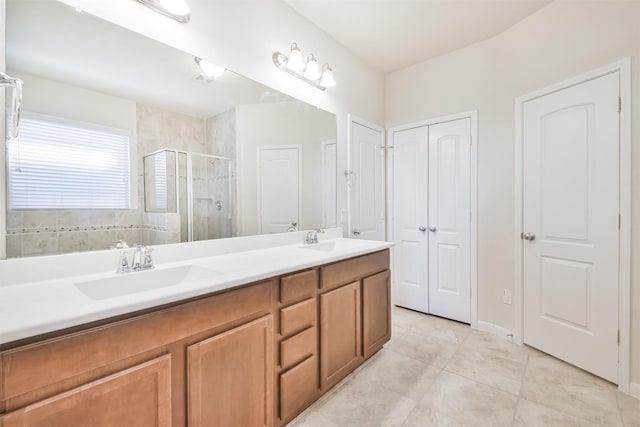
{"x": 55, "y": 165}
{"x": 161, "y": 180}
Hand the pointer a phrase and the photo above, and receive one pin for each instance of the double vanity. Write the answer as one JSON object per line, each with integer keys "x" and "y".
{"x": 245, "y": 337}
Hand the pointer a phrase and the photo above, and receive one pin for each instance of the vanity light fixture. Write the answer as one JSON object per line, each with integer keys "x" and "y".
{"x": 309, "y": 72}
{"x": 176, "y": 9}
{"x": 327, "y": 77}
{"x": 295, "y": 62}
{"x": 208, "y": 70}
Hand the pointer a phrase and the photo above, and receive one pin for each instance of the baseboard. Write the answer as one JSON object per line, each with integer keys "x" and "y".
{"x": 634, "y": 390}
{"x": 495, "y": 330}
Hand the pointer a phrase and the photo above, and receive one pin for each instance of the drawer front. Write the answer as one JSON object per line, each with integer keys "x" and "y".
{"x": 297, "y": 316}
{"x": 298, "y": 347}
{"x": 298, "y": 387}
{"x": 299, "y": 285}
{"x": 29, "y": 368}
{"x": 340, "y": 273}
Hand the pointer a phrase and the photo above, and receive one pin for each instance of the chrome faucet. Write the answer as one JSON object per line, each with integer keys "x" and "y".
{"x": 312, "y": 236}
{"x": 141, "y": 259}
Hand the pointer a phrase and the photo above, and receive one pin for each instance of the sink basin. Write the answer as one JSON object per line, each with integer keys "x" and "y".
{"x": 333, "y": 245}
{"x": 132, "y": 283}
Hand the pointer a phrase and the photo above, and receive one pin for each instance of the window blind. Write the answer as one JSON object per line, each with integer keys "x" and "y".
{"x": 161, "y": 180}
{"x": 55, "y": 165}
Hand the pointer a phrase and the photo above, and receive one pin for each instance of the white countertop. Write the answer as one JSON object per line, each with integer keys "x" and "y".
{"x": 30, "y": 309}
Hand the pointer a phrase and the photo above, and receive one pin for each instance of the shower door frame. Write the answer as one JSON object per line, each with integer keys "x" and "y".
{"x": 189, "y": 178}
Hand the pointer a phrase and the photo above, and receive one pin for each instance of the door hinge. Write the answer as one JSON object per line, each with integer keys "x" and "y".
{"x": 619, "y": 104}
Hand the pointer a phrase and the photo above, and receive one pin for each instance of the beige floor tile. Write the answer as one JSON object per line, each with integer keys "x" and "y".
{"x": 430, "y": 326}
{"x": 629, "y": 409}
{"x": 404, "y": 375}
{"x": 567, "y": 389}
{"x": 311, "y": 419}
{"x": 491, "y": 360}
{"x": 457, "y": 401}
{"x": 430, "y": 351}
{"x": 366, "y": 404}
{"x": 531, "y": 414}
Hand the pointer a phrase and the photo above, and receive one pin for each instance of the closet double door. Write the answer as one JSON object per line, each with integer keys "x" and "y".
{"x": 432, "y": 219}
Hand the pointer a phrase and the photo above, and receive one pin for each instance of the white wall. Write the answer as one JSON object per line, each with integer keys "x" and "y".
{"x": 561, "y": 40}
{"x": 242, "y": 36}
{"x": 282, "y": 123}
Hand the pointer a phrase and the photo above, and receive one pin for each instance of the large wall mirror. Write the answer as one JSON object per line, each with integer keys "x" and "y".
{"x": 122, "y": 137}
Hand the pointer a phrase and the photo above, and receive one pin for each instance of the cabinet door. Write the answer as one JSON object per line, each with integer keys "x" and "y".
{"x": 230, "y": 377}
{"x": 376, "y": 312}
{"x": 138, "y": 396}
{"x": 340, "y": 332}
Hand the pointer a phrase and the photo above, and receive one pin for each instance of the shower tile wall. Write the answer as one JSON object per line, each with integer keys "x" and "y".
{"x": 31, "y": 233}
{"x": 221, "y": 141}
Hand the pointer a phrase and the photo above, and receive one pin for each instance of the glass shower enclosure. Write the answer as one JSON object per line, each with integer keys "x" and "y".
{"x": 197, "y": 187}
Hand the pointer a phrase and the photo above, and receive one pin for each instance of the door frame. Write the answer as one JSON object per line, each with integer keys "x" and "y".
{"x": 355, "y": 119}
{"x": 473, "y": 196}
{"x": 261, "y": 148}
{"x": 622, "y": 66}
{"x": 323, "y": 146}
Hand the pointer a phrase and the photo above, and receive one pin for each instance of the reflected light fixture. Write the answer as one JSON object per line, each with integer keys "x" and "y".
{"x": 208, "y": 70}
{"x": 176, "y": 9}
{"x": 309, "y": 72}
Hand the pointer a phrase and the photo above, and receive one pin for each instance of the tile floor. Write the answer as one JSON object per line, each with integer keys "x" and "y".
{"x": 435, "y": 372}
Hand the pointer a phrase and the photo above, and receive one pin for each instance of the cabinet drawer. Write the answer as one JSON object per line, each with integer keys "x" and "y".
{"x": 298, "y": 347}
{"x": 343, "y": 272}
{"x": 297, "y": 316}
{"x": 298, "y": 386}
{"x": 299, "y": 285}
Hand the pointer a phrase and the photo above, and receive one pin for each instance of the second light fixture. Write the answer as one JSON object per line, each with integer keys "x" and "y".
{"x": 309, "y": 72}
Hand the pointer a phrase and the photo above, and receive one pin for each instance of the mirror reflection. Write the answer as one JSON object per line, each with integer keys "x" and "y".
{"x": 123, "y": 137}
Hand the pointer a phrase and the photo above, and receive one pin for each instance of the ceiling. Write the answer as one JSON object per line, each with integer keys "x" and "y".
{"x": 393, "y": 34}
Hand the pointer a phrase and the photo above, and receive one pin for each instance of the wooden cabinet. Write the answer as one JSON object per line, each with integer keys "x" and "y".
{"x": 256, "y": 355}
{"x": 230, "y": 377}
{"x": 340, "y": 333}
{"x": 376, "y": 312}
{"x": 138, "y": 396}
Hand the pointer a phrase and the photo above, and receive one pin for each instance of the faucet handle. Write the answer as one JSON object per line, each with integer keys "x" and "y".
{"x": 147, "y": 259}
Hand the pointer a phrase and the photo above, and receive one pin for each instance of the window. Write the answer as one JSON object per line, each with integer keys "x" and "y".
{"x": 56, "y": 164}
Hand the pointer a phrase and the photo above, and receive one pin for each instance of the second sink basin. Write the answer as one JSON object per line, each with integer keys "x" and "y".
{"x": 333, "y": 245}
{"x": 131, "y": 283}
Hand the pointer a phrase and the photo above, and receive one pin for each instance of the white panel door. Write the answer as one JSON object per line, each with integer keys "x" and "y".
{"x": 571, "y": 206}
{"x": 367, "y": 183}
{"x": 278, "y": 188}
{"x": 449, "y": 220}
{"x": 329, "y": 183}
{"x": 410, "y": 287}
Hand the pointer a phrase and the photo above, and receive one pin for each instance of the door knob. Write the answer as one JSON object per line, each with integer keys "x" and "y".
{"x": 432, "y": 228}
{"x": 529, "y": 236}
{"x": 422, "y": 228}
{"x": 356, "y": 232}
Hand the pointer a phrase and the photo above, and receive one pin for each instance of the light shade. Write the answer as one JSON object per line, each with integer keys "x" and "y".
{"x": 176, "y": 7}
{"x": 295, "y": 62}
{"x": 209, "y": 69}
{"x": 327, "y": 77}
{"x": 312, "y": 71}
